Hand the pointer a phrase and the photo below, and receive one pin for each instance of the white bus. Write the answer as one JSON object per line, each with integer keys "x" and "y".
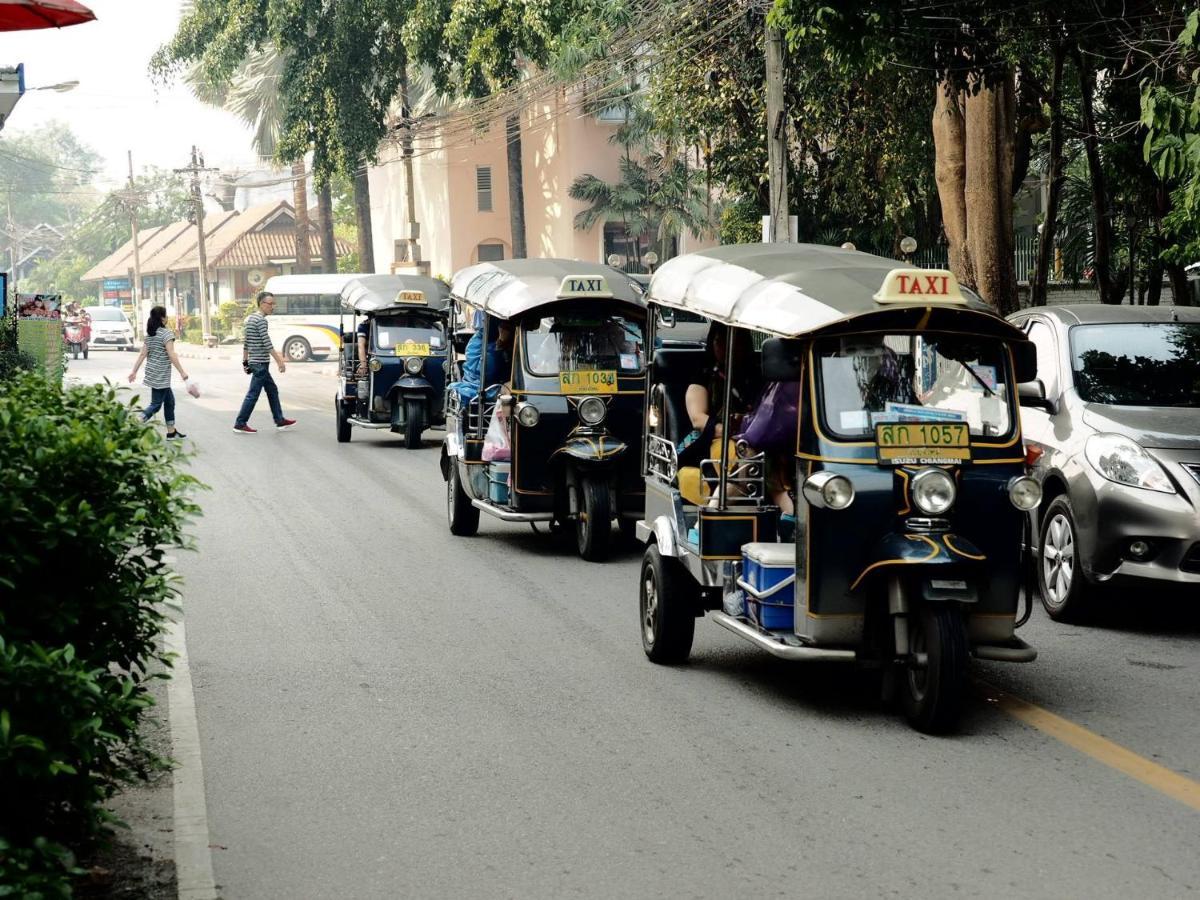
{"x": 305, "y": 322}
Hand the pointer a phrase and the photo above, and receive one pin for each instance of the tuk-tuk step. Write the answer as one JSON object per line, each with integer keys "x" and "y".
{"x": 1015, "y": 651}
{"x": 776, "y": 646}
{"x": 507, "y": 515}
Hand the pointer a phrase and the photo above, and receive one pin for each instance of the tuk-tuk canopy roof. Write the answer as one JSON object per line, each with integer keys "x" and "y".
{"x": 376, "y": 293}
{"x": 512, "y": 287}
{"x": 787, "y": 290}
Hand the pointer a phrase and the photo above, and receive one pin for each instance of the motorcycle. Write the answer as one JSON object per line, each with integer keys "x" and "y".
{"x": 76, "y": 334}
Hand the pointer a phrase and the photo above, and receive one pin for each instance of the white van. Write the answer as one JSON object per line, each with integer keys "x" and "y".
{"x": 305, "y": 322}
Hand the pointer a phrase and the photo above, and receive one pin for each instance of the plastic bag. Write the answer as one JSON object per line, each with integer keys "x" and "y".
{"x": 495, "y": 442}
{"x": 193, "y": 387}
{"x": 772, "y": 423}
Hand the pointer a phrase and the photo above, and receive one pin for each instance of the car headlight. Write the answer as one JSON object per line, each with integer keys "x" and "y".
{"x": 527, "y": 414}
{"x": 1122, "y": 460}
{"x": 413, "y": 365}
{"x": 828, "y": 490}
{"x": 1024, "y": 492}
{"x": 592, "y": 411}
{"x": 933, "y": 491}
{"x": 375, "y": 365}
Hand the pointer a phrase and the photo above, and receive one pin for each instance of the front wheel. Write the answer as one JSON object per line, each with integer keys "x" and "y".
{"x": 461, "y": 514}
{"x": 414, "y": 422}
{"x": 343, "y": 422}
{"x": 933, "y": 694}
{"x": 297, "y": 350}
{"x": 667, "y": 604}
{"x": 1060, "y": 579}
{"x": 85, "y": 351}
{"x": 593, "y": 528}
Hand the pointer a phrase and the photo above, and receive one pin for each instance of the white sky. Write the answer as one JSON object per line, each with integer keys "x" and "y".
{"x": 117, "y": 107}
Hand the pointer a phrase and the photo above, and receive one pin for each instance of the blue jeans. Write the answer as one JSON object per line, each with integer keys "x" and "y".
{"x": 260, "y": 380}
{"x": 164, "y": 398}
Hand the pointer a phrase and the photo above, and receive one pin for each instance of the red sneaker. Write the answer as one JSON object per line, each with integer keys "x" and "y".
{"x": 244, "y": 429}
{"x": 284, "y": 424}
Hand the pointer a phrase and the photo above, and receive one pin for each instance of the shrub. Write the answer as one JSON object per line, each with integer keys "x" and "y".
{"x": 12, "y": 358}
{"x": 91, "y": 500}
{"x": 741, "y": 222}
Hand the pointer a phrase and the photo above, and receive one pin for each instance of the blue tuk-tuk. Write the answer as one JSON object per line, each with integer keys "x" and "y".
{"x": 393, "y": 360}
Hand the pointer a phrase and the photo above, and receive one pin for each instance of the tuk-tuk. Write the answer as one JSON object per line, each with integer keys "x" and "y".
{"x": 883, "y": 413}
{"x": 393, "y": 359}
{"x": 545, "y": 421}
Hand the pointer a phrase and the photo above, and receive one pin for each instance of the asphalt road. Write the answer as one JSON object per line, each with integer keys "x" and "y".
{"x": 388, "y": 711}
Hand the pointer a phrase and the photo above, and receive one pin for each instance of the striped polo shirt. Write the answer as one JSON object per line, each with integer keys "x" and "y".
{"x": 257, "y": 340}
{"x": 158, "y": 363}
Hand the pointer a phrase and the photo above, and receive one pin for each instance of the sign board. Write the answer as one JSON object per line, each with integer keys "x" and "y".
{"x": 920, "y": 286}
{"x": 584, "y": 286}
{"x": 42, "y": 339}
{"x": 923, "y": 443}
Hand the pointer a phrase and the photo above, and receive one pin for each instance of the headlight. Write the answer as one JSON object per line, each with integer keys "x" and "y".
{"x": 933, "y": 491}
{"x": 527, "y": 414}
{"x": 1122, "y": 460}
{"x": 828, "y": 490}
{"x": 1024, "y": 492}
{"x": 413, "y": 365}
{"x": 375, "y": 365}
{"x": 592, "y": 411}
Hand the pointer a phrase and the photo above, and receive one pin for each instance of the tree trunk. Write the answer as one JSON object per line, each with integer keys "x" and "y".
{"x": 950, "y": 172}
{"x": 516, "y": 185}
{"x": 1056, "y": 175}
{"x": 990, "y": 145}
{"x": 1101, "y": 223}
{"x": 300, "y": 197}
{"x": 362, "y": 218}
{"x": 325, "y": 227}
{"x": 1180, "y": 290}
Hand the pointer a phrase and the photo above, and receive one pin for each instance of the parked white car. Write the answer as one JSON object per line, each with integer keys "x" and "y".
{"x": 110, "y": 328}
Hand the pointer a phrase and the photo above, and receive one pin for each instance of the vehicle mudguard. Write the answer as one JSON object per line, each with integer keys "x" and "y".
{"x": 597, "y": 448}
{"x": 900, "y": 550}
{"x": 411, "y": 384}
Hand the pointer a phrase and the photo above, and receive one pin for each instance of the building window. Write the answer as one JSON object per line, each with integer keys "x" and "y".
{"x": 490, "y": 252}
{"x": 483, "y": 187}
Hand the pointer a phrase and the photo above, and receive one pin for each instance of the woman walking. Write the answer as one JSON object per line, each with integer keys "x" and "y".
{"x": 158, "y": 352}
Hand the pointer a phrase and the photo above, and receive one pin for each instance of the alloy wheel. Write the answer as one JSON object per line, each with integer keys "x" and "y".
{"x": 649, "y": 606}
{"x": 1058, "y": 559}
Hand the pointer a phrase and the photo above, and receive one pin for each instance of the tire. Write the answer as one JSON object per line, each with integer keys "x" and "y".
{"x": 343, "y": 422}
{"x": 297, "y": 349}
{"x": 463, "y": 518}
{"x": 593, "y": 527}
{"x": 414, "y": 423}
{"x": 667, "y": 608}
{"x": 85, "y": 351}
{"x": 1061, "y": 582}
{"x": 933, "y": 697}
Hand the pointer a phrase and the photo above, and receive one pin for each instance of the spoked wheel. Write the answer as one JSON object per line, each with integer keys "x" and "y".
{"x": 462, "y": 516}
{"x": 1063, "y": 587}
{"x": 343, "y": 422}
{"x": 593, "y": 528}
{"x": 932, "y": 695}
{"x": 414, "y": 422}
{"x": 667, "y": 605}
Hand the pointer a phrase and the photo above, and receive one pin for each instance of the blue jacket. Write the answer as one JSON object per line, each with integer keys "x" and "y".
{"x": 497, "y": 367}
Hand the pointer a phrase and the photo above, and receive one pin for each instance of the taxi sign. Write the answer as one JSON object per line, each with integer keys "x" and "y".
{"x": 411, "y": 297}
{"x": 920, "y": 286}
{"x": 584, "y": 286}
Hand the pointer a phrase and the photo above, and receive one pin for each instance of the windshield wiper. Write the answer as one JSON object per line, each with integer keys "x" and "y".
{"x": 982, "y": 383}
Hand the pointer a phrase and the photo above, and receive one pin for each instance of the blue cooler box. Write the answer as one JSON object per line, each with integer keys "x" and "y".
{"x": 498, "y": 482}
{"x": 769, "y": 580}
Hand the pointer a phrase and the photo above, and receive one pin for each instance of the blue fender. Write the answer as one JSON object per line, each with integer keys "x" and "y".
{"x": 896, "y": 550}
{"x": 600, "y": 448}
{"x": 414, "y": 384}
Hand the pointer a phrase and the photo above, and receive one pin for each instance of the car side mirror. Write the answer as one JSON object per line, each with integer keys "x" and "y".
{"x": 1033, "y": 394}
{"x": 782, "y": 360}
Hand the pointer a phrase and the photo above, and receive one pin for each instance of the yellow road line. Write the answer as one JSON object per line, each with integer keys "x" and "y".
{"x": 1177, "y": 787}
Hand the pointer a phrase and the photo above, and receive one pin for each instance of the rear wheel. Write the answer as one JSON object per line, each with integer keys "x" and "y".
{"x": 297, "y": 350}
{"x": 462, "y": 516}
{"x": 414, "y": 422}
{"x": 85, "y": 350}
{"x": 932, "y": 695}
{"x": 343, "y": 422}
{"x": 1063, "y": 586}
{"x": 667, "y": 603}
{"x": 593, "y": 528}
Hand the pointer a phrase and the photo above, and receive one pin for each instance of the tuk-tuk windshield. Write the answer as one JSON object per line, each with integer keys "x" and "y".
{"x": 395, "y": 330}
{"x": 868, "y": 379}
{"x": 578, "y": 342}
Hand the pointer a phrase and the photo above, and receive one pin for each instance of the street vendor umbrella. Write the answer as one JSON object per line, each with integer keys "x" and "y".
{"x": 21, "y": 15}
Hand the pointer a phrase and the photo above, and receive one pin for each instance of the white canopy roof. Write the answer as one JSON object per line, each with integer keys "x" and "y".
{"x": 511, "y": 287}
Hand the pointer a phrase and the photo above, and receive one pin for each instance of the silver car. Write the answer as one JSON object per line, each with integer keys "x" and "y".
{"x": 1115, "y": 411}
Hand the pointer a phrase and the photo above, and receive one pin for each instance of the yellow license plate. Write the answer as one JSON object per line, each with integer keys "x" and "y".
{"x": 591, "y": 381}
{"x": 412, "y": 348}
{"x": 921, "y": 442}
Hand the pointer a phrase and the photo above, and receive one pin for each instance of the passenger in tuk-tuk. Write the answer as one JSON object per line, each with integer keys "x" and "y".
{"x": 499, "y": 359}
{"x": 705, "y": 398}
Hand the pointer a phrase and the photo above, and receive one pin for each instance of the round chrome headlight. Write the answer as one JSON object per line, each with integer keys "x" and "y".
{"x": 933, "y": 491}
{"x": 375, "y": 365}
{"x": 828, "y": 490}
{"x": 413, "y": 365}
{"x": 592, "y": 411}
{"x": 527, "y": 414}
{"x": 1024, "y": 492}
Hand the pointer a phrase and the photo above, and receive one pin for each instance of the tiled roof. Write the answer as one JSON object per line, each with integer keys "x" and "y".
{"x": 118, "y": 263}
{"x": 171, "y": 256}
{"x": 217, "y": 243}
{"x": 259, "y": 247}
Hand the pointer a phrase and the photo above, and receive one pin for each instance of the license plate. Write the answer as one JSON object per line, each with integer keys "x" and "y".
{"x": 590, "y": 381}
{"x": 917, "y": 443}
{"x": 412, "y": 348}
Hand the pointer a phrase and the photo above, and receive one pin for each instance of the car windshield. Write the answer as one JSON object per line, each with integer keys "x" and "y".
{"x": 1137, "y": 364}
{"x": 580, "y": 342}
{"x": 392, "y": 332}
{"x": 868, "y": 379}
{"x": 105, "y": 314}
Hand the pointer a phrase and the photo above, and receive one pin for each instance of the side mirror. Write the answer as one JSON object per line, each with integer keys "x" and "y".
{"x": 1033, "y": 394}
{"x": 782, "y": 360}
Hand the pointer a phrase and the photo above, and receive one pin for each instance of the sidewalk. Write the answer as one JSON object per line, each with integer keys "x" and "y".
{"x": 196, "y": 351}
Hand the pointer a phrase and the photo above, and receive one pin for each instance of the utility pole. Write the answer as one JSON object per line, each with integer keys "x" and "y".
{"x": 135, "y": 289}
{"x": 776, "y": 136}
{"x": 195, "y": 169}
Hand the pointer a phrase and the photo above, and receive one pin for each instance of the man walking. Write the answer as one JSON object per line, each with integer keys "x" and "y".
{"x": 257, "y": 351}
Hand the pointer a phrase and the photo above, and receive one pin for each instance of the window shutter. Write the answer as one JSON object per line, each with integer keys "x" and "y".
{"x": 483, "y": 187}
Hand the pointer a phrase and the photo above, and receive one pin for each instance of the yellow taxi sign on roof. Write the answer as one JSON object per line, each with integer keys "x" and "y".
{"x": 584, "y": 286}
{"x": 411, "y": 297}
{"x": 920, "y": 286}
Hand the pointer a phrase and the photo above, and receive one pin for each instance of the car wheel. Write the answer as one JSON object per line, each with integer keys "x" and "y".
{"x": 1060, "y": 578}
{"x": 343, "y": 422}
{"x": 297, "y": 350}
{"x": 667, "y": 604}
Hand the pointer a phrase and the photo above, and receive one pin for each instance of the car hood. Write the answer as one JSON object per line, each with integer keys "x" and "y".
{"x": 1155, "y": 427}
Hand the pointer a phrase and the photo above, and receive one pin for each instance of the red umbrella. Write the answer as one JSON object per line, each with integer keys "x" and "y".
{"x": 21, "y": 15}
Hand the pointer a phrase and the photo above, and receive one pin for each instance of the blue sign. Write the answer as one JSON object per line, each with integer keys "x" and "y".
{"x": 116, "y": 284}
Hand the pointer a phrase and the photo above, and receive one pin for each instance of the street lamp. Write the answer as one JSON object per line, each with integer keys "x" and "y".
{"x": 849, "y": 245}
{"x": 650, "y": 258}
{"x": 908, "y": 246}
{"x": 616, "y": 260}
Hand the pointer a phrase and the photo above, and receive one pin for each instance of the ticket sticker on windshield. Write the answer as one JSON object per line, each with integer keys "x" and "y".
{"x": 922, "y": 443}
{"x": 412, "y": 348}
{"x": 588, "y": 381}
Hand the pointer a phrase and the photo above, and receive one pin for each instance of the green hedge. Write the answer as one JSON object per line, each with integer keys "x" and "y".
{"x": 91, "y": 501}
